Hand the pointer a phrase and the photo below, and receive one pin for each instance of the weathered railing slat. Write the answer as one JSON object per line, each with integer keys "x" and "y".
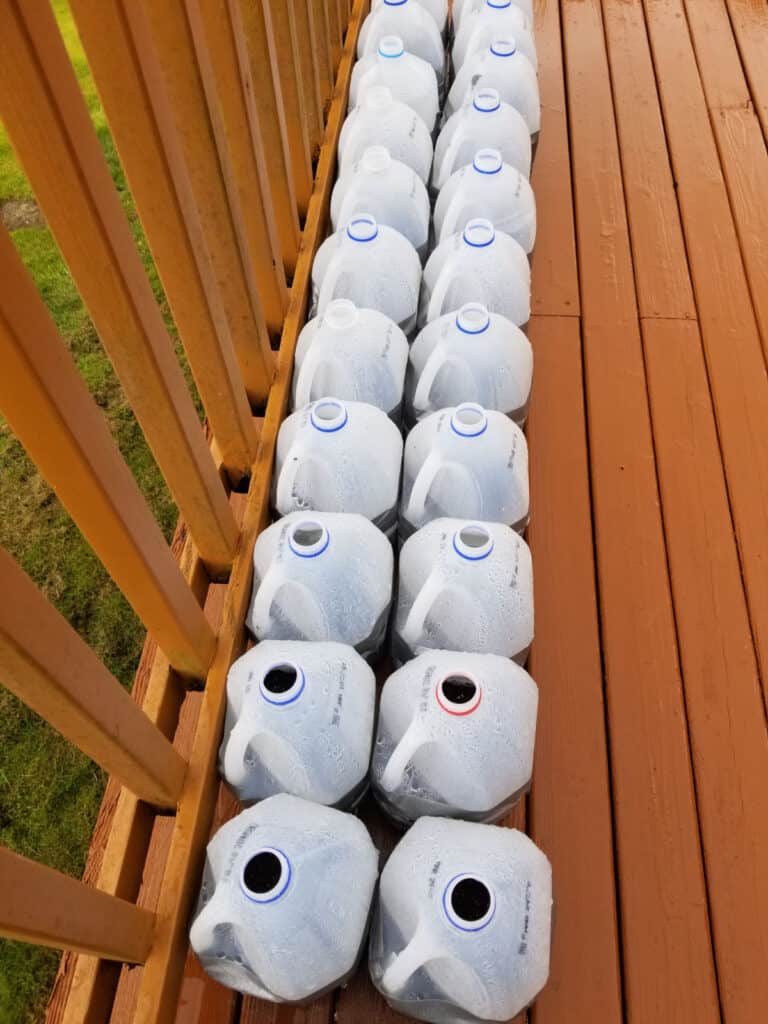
{"x": 318, "y": 33}
{"x": 259, "y": 68}
{"x": 149, "y": 146}
{"x": 68, "y": 173}
{"x": 62, "y": 679}
{"x": 279, "y": 13}
{"x": 308, "y": 73}
{"x": 48, "y": 908}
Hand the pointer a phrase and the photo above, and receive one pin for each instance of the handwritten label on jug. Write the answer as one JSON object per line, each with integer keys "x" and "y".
{"x": 237, "y": 846}
{"x": 340, "y": 695}
{"x": 426, "y": 689}
{"x": 513, "y": 453}
{"x": 515, "y": 569}
{"x": 522, "y": 949}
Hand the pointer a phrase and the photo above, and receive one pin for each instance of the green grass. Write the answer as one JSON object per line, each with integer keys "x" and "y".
{"x": 49, "y": 792}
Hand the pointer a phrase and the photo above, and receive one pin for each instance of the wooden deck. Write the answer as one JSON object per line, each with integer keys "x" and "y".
{"x": 649, "y": 461}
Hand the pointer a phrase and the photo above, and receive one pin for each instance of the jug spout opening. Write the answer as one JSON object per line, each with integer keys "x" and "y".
{"x": 328, "y": 415}
{"x": 282, "y": 683}
{"x": 473, "y": 542}
{"x": 308, "y": 538}
{"x": 487, "y": 100}
{"x": 266, "y": 875}
{"x": 473, "y": 318}
{"x": 391, "y": 47}
{"x": 341, "y": 314}
{"x": 469, "y": 420}
{"x": 458, "y": 695}
{"x": 376, "y": 159}
{"x": 469, "y": 903}
{"x": 479, "y": 233}
{"x": 499, "y": 5}
{"x": 363, "y": 228}
{"x": 488, "y": 161}
{"x": 503, "y": 47}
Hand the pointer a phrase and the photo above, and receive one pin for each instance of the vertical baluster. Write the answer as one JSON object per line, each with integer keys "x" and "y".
{"x": 310, "y": 81}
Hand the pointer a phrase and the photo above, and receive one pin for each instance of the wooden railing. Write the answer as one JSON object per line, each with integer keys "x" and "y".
{"x": 226, "y": 116}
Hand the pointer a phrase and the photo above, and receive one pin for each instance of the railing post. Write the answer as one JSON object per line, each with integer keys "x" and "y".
{"x": 68, "y": 173}
{"x": 150, "y": 151}
{"x": 49, "y": 408}
{"x": 280, "y": 15}
{"x": 48, "y": 908}
{"x": 308, "y": 73}
{"x": 245, "y": 164}
{"x": 259, "y": 61}
{"x": 62, "y": 679}
{"x": 163, "y": 42}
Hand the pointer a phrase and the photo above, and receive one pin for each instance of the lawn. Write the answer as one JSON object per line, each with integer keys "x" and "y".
{"x": 49, "y": 792}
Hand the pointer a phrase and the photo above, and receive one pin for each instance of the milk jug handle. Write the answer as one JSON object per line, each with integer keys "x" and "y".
{"x": 266, "y": 592}
{"x": 313, "y": 360}
{"x": 422, "y": 486}
{"x": 426, "y": 597}
{"x": 412, "y": 739}
{"x": 443, "y": 283}
{"x": 438, "y": 358}
{"x": 450, "y": 155}
{"x": 419, "y": 951}
{"x": 328, "y": 286}
{"x": 297, "y": 458}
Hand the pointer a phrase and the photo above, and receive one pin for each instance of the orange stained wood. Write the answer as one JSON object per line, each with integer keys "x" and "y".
{"x": 63, "y": 680}
{"x": 48, "y": 908}
{"x": 749, "y": 24}
{"x": 666, "y": 943}
{"x": 309, "y": 79}
{"x": 63, "y": 160}
{"x": 147, "y": 140}
{"x": 318, "y": 29}
{"x": 245, "y": 162}
{"x": 163, "y": 41}
{"x": 280, "y": 14}
{"x": 47, "y": 405}
{"x": 334, "y": 33}
{"x": 259, "y": 61}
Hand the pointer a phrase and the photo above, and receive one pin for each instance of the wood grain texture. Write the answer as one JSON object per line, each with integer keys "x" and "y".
{"x": 666, "y": 945}
{"x": 750, "y": 24}
{"x": 147, "y": 141}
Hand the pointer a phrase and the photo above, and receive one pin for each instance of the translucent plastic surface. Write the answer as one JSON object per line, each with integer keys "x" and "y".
{"x": 336, "y": 456}
{"x": 455, "y": 737}
{"x": 322, "y": 576}
{"x": 505, "y": 68}
{"x": 381, "y": 120}
{"x": 464, "y": 586}
{"x": 486, "y": 122}
{"x": 412, "y": 23}
{"x": 466, "y": 463}
{"x": 463, "y": 923}
{"x": 437, "y": 8}
{"x": 479, "y": 265}
{"x": 387, "y": 189}
{"x": 372, "y": 265}
{"x": 285, "y": 899}
{"x": 470, "y": 356}
{"x": 299, "y": 720}
{"x": 482, "y": 21}
{"x": 409, "y": 78}
{"x": 355, "y": 355}
{"x": 490, "y": 189}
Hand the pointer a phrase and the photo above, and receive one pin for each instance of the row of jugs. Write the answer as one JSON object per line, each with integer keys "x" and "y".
{"x": 301, "y": 705}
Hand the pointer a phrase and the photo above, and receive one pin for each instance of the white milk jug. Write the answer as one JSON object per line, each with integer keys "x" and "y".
{"x": 381, "y": 120}
{"x": 387, "y": 189}
{"x": 408, "y": 20}
{"x": 505, "y": 68}
{"x": 464, "y": 586}
{"x": 482, "y": 21}
{"x": 356, "y": 355}
{"x": 455, "y": 737}
{"x": 371, "y": 264}
{"x": 465, "y": 463}
{"x": 437, "y": 8}
{"x": 335, "y": 456}
{"x": 285, "y": 900}
{"x": 322, "y": 576}
{"x": 491, "y": 189}
{"x": 482, "y": 123}
{"x": 470, "y": 356}
{"x": 409, "y": 78}
{"x": 479, "y": 265}
{"x": 463, "y": 923}
{"x": 299, "y": 720}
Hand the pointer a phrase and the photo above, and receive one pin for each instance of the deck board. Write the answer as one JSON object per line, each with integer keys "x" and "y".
{"x": 648, "y": 440}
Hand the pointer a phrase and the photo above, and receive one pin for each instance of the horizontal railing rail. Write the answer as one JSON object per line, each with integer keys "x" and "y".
{"x": 226, "y": 116}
